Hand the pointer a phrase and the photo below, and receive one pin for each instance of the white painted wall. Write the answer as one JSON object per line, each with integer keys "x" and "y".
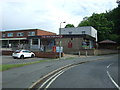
{"x": 89, "y": 30}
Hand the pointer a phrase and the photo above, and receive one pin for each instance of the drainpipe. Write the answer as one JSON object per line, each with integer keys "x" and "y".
{"x": 38, "y": 43}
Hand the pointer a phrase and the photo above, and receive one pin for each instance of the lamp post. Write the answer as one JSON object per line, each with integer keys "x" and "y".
{"x": 60, "y": 41}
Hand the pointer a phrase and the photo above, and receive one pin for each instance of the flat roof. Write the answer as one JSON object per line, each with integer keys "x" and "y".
{"x": 25, "y": 30}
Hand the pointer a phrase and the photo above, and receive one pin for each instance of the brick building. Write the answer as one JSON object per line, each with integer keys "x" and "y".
{"x": 18, "y": 38}
{"x": 74, "y": 43}
{"x": 70, "y": 43}
{"x": 72, "y": 39}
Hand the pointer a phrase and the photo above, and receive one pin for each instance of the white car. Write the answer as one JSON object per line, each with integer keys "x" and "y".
{"x": 22, "y": 54}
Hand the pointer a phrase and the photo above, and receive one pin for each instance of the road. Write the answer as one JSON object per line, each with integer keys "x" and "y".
{"x": 24, "y": 77}
{"x": 96, "y": 74}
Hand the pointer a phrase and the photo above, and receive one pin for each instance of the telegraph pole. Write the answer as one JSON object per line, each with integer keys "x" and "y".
{"x": 60, "y": 41}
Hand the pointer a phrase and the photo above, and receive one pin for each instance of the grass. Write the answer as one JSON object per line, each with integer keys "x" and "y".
{"x": 10, "y": 66}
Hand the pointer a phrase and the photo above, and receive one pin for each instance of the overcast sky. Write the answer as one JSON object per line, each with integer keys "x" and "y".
{"x": 48, "y": 14}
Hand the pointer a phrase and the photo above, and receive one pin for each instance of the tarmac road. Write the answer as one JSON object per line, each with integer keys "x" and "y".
{"x": 24, "y": 77}
{"x": 89, "y": 75}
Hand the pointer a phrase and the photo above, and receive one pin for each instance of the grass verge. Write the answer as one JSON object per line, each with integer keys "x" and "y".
{"x": 10, "y": 66}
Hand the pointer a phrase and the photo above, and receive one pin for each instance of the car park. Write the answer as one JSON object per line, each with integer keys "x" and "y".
{"x": 22, "y": 54}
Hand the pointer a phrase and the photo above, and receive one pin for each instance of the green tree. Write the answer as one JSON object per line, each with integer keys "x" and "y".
{"x": 69, "y": 26}
{"x": 101, "y": 23}
{"x": 114, "y": 15}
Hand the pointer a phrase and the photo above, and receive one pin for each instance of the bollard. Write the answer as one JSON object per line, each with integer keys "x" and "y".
{"x": 86, "y": 53}
{"x": 79, "y": 54}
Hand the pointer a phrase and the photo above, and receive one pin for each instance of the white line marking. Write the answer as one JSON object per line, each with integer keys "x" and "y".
{"x": 113, "y": 80}
{"x": 49, "y": 79}
{"x": 109, "y": 65}
{"x": 54, "y": 79}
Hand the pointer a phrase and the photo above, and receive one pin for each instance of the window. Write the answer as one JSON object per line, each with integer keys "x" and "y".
{"x": 83, "y": 32}
{"x": 31, "y": 33}
{"x": 9, "y": 34}
{"x": 3, "y": 35}
{"x": 26, "y": 51}
{"x": 35, "y": 41}
{"x": 70, "y": 32}
{"x": 20, "y": 34}
{"x": 71, "y": 38}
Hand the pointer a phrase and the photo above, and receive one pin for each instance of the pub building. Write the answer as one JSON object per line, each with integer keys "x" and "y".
{"x": 70, "y": 43}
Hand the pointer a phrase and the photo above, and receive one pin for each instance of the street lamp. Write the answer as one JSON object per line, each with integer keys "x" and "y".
{"x": 60, "y": 28}
{"x": 60, "y": 41}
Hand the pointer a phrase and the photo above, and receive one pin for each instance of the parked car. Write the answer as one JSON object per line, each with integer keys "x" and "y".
{"x": 22, "y": 54}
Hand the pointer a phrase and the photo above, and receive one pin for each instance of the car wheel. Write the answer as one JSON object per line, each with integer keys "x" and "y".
{"x": 14, "y": 57}
{"x": 22, "y": 56}
{"x": 32, "y": 56}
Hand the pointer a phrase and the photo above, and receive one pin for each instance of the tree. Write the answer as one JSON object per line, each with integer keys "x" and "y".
{"x": 101, "y": 23}
{"x": 69, "y": 26}
{"x": 114, "y": 15}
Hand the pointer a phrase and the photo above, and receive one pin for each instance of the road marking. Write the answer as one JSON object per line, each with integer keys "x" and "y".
{"x": 109, "y": 65}
{"x": 69, "y": 65}
{"x": 113, "y": 80}
{"x": 49, "y": 79}
{"x": 54, "y": 79}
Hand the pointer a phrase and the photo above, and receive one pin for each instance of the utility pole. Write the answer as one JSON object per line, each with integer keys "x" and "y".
{"x": 60, "y": 41}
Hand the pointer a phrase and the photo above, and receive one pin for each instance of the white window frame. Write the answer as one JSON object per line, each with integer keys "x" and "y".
{"x": 20, "y": 34}
{"x": 70, "y": 33}
{"x": 83, "y": 32}
{"x": 3, "y": 35}
{"x": 31, "y": 33}
{"x": 9, "y": 34}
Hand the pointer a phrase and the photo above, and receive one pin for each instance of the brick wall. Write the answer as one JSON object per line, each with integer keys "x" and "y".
{"x": 47, "y": 54}
{"x": 76, "y": 44}
{"x": 96, "y": 51}
{"x": 42, "y": 32}
{"x": 7, "y": 52}
{"x": 37, "y": 54}
{"x": 25, "y": 33}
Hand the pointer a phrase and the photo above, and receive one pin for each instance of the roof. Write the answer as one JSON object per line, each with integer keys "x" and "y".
{"x": 107, "y": 41}
{"x": 25, "y": 30}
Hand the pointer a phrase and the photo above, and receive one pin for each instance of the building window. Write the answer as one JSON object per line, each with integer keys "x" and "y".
{"x": 31, "y": 33}
{"x": 35, "y": 41}
{"x": 83, "y": 32}
{"x": 20, "y": 34}
{"x": 9, "y": 34}
{"x": 71, "y": 38}
{"x": 3, "y": 35}
{"x": 70, "y": 32}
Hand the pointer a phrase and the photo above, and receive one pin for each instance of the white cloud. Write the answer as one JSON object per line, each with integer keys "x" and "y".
{"x": 47, "y": 14}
